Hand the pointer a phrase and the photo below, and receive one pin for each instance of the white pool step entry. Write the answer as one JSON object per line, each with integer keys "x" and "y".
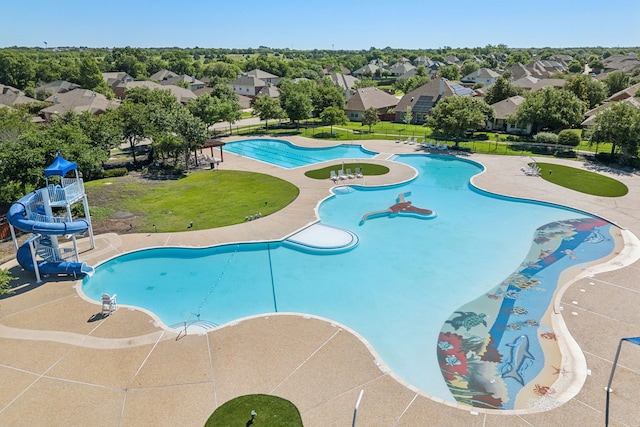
{"x": 323, "y": 239}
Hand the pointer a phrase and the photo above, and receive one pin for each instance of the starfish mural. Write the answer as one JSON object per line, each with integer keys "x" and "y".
{"x": 402, "y": 206}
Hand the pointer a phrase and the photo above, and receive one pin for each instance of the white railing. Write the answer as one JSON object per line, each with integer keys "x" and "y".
{"x": 70, "y": 191}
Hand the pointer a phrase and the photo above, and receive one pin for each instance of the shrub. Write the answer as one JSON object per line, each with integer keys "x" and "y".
{"x": 546, "y": 138}
{"x": 110, "y": 173}
{"x": 5, "y": 278}
{"x": 569, "y": 138}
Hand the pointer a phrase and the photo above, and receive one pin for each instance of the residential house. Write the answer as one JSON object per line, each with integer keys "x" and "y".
{"x": 115, "y": 79}
{"x": 369, "y": 69}
{"x": 591, "y": 114}
{"x": 625, "y": 93}
{"x": 194, "y": 84}
{"x": 335, "y": 69}
{"x": 526, "y": 82}
{"x": 272, "y": 91}
{"x": 486, "y": 76}
{"x": 58, "y": 86}
{"x": 544, "y": 83}
{"x": 163, "y": 75}
{"x": 247, "y": 85}
{"x": 78, "y": 100}
{"x": 518, "y": 71}
{"x": 452, "y": 60}
{"x": 183, "y": 96}
{"x": 10, "y": 96}
{"x": 264, "y": 76}
{"x": 368, "y": 97}
{"x": 564, "y": 60}
{"x": 502, "y": 111}
{"x": 423, "y": 99}
{"x": 401, "y": 68}
{"x": 344, "y": 81}
{"x": 626, "y": 63}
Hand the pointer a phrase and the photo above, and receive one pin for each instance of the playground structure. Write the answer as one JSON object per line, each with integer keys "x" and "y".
{"x": 46, "y": 213}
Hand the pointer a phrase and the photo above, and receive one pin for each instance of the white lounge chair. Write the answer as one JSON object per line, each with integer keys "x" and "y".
{"x": 422, "y": 141}
{"x": 341, "y": 174}
{"x": 437, "y": 147}
{"x": 350, "y": 175}
{"x": 399, "y": 139}
{"x": 430, "y": 145}
{"x": 408, "y": 140}
{"x": 333, "y": 176}
{"x": 109, "y": 304}
{"x": 358, "y": 173}
{"x": 445, "y": 146}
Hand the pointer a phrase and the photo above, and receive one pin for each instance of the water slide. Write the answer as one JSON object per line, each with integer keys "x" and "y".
{"x": 18, "y": 218}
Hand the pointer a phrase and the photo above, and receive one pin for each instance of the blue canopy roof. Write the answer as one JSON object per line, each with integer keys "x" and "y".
{"x": 60, "y": 166}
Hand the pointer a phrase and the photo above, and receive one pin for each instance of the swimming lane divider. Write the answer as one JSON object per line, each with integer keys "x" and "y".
{"x": 273, "y": 285}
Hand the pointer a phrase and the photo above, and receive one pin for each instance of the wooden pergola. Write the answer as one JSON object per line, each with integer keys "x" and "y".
{"x": 210, "y": 143}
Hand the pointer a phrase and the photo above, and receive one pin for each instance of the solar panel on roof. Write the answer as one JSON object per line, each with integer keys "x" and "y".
{"x": 461, "y": 90}
{"x": 424, "y": 104}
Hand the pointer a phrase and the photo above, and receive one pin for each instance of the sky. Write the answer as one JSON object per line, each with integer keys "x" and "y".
{"x": 327, "y": 24}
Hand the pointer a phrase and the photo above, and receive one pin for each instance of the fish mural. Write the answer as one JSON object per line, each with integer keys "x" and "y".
{"x": 491, "y": 350}
{"x": 517, "y": 361}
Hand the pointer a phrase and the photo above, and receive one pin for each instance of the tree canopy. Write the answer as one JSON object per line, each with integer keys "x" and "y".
{"x": 549, "y": 108}
{"x": 455, "y": 115}
{"x": 620, "y": 125}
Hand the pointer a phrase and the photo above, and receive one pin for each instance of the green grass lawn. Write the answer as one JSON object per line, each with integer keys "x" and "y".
{"x": 208, "y": 198}
{"x": 582, "y": 181}
{"x": 365, "y": 168}
{"x": 270, "y": 411}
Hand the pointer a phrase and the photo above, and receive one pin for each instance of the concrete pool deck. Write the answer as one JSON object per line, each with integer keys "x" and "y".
{"x": 61, "y": 363}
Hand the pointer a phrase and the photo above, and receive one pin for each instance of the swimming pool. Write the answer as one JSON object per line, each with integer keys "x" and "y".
{"x": 453, "y": 304}
{"x": 287, "y": 155}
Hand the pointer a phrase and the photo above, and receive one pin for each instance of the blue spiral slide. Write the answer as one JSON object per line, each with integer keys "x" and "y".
{"x": 17, "y": 217}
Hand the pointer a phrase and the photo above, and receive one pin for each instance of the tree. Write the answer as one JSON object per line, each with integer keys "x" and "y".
{"x": 455, "y": 115}
{"x": 595, "y": 62}
{"x": 327, "y": 94}
{"x": 370, "y": 117}
{"x": 333, "y": 116}
{"x": 407, "y": 118}
{"x": 469, "y": 66}
{"x": 569, "y": 138}
{"x": 575, "y": 66}
{"x": 617, "y": 81}
{"x": 298, "y": 107}
{"x": 619, "y": 125}
{"x": 363, "y": 82}
{"x": 588, "y": 89}
{"x": 191, "y": 130}
{"x": 519, "y": 56}
{"x": 450, "y": 72}
{"x": 549, "y": 108}
{"x": 499, "y": 91}
{"x": 268, "y": 108}
{"x": 135, "y": 124}
{"x": 413, "y": 82}
{"x": 16, "y": 69}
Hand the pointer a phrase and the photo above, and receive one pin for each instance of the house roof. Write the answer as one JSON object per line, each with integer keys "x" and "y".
{"x": 262, "y": 75}
{"x": 79, "y": 100}
{"x": 12, "y": 96}
{"x": 371, "y": 68}
{"x": 163, "y": 75}
{"x": 182, "y": 95}
{"x": 625, "y": 93}
{"x": 113, "y": 79}
{"x": 505, "y": 108}
{"x": 368, "y": 97}
{"x": 59, "y": 86}
{"x": 343, "y": 81}
{"x": 483, "y": 73}
{"x": 401, "y": 68}
{"x": 183, "y": 78}
{"x": 422, "y": 99}
{"x": 544, "y": 83}
{"x": 331, "y": 69}
{"x": 250, "y": 81}
{"x": 591, "y": 114}
{"x": 270, "y": 90}
{"x": 526, "y": 82}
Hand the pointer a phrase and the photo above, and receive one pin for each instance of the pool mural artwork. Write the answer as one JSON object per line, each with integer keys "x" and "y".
{"x": 487, "y": 364}
{"x": 497, "y": 350}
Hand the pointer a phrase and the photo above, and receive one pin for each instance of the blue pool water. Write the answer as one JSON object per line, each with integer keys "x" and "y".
{"x": 287, "y": 155}
{"x": 398, "y": 288}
